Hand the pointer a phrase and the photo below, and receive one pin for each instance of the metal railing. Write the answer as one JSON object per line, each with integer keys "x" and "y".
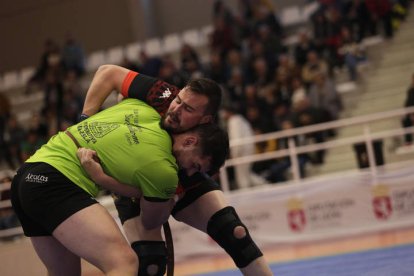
{"x": 367, "y": 136}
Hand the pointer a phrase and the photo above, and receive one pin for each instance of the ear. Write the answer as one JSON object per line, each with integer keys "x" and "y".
{"x": 206, "y": 119}
{"x": 190, "y": 140}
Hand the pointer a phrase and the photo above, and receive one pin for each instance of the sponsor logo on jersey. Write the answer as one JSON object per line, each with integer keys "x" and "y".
{"x": 36, "y": 178}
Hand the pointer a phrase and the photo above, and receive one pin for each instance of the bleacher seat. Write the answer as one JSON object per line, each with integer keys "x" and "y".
{"x": 115, "y": 55}
{"x": 205, "y": 33}
{"x": 171, "y": 43}
{"x": 10, "y": 80}
{"x": 132, "y": 51}
{"x": 192, "y": 37}
{"x": 95, "y": 60}
{"x": 153, "y": 47}
{"x": 291, "y": 16}
{"x": 25, "y": 74}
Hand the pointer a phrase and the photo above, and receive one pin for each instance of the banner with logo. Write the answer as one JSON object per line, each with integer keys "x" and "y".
{"x": 325, "y": 208}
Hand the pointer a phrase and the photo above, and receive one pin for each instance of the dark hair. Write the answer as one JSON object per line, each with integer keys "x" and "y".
{"x": 210, "y": 89}
{"x": 214, "y": 143}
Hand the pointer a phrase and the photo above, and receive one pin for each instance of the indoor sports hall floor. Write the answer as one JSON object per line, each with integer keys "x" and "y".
{"x": 383, "y": 254}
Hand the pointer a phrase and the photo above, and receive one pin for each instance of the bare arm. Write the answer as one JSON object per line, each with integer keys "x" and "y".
{"x": 107, "y": 79}
{"x": 88, "y": 159}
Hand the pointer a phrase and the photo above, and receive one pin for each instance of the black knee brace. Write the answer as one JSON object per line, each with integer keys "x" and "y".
{"x": 221, "y": 228}
{"x": 151, "y": 253}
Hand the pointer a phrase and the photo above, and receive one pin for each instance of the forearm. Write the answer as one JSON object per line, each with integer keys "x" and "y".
{"x": 107, "y": 78}
{"x": 109, "y": 183}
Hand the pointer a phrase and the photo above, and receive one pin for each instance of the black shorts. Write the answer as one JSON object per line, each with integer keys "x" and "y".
{"x": 43, "y": 198}
{"x": 128, "y": 208}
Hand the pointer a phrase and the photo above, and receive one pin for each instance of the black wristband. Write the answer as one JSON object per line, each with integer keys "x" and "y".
{"x": 83, "y": 117}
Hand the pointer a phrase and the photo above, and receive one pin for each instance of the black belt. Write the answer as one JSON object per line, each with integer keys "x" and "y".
{"x": 73, "y": 138}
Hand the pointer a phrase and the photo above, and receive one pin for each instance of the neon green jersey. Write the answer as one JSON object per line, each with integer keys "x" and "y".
{"x": 131, "y": 145}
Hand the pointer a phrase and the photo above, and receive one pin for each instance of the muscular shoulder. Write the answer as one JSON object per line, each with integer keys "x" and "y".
{"x": 157, "y": 93}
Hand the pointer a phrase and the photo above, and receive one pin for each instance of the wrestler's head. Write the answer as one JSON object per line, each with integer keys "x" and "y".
{"x": 203, "y": 148}
{"x": 197, "y": 103}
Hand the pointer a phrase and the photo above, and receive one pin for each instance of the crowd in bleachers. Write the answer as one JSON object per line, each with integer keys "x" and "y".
{"x": 274, "y": 86}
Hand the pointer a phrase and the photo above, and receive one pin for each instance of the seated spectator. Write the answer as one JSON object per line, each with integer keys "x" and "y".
{"x": 31, "y": 143}
{"x": 13, "y": 137}
{"x": 304, "y": 114}
{"x": 408, "y": 120}
{"x": 149, "y": 65}
{"x": 239, "y": 127}
{"x": 313, "y": 66}
{"x": 4, "y": 115}
{"x": 51, "y": 51}
{"x": 278, "y": 169}
{"x": 73, "y": 55}
{"x": 8, "y": 218}
{"x": 302, "y": 48}
{"x": 353, "y": 53}
{"x": 323, "y": 95}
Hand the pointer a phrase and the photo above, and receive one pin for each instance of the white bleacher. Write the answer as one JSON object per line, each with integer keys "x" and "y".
{"x": 10, "y": 80}
{"x": 95, "y": 60}
{"x": 192, "y": 37}
{"x": 25, "y": 74}
{"x": 172, "y": 43}
{"x": 132, "y": 51}
{"x": 153, "y": 47}
{"x": 115, "y": 55}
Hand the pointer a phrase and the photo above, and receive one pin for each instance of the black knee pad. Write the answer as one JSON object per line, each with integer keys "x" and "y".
{"x": 151, "y": 253}
{"x": 127, "y": 207}
{"x": 221, "y": 228}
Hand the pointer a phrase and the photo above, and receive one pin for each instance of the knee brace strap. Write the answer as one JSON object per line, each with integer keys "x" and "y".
{"x": 151, "y": 253}
{"x": 221, "y": 228}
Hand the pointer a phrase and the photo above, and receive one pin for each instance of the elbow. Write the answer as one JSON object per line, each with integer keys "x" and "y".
{"x": 105, "y": 69}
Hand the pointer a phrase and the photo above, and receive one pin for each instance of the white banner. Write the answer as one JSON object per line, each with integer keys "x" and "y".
{"x": 326, "y": 208}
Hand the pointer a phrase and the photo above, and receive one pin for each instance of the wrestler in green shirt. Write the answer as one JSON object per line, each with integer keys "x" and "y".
{"x": 131, "y": 145}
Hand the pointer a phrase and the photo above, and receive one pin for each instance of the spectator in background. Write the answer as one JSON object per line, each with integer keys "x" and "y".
{"x": 357, "y": 18}
{"x": 169, "y": 73}
{"x": 323, "y": 95}
{"x": 149, "y": 65}
{"x": 13, "y": 137}
{"x": 408, "y": 120}
{"x": 190, "y": 62}
{"x": 380, "y": 10}
{"x": 239, "y": 127}
{"x": 4, "y": 115}
{"x": 217, "y": 68}
{"x": 302, "y": 48}
{"x": 313, "y": 66}
{"x": 222, "y": 38}
{"x": 353, "y": 53}
{"x": 31, "y": 144}
{"x": 278, "y": 169}
{"x": 73, "y": 55}
{"x": 8, "y": 218}
{"x": 304, "y": 114}
{"x": 48, "y": 57}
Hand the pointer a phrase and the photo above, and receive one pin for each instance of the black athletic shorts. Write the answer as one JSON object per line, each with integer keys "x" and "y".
{"x": 43, "y": 198}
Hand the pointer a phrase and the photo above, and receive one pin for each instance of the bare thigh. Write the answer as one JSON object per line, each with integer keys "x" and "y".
{"x": 198, "y": 213}
{"x": 93, "y": 234}
{"x": 57, "y": 259}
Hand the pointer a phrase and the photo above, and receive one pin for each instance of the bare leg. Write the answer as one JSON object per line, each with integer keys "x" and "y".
{"x": 58, "y": 260}
{"x": 91, "y": 234}
{"x": 199, "y": 213}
